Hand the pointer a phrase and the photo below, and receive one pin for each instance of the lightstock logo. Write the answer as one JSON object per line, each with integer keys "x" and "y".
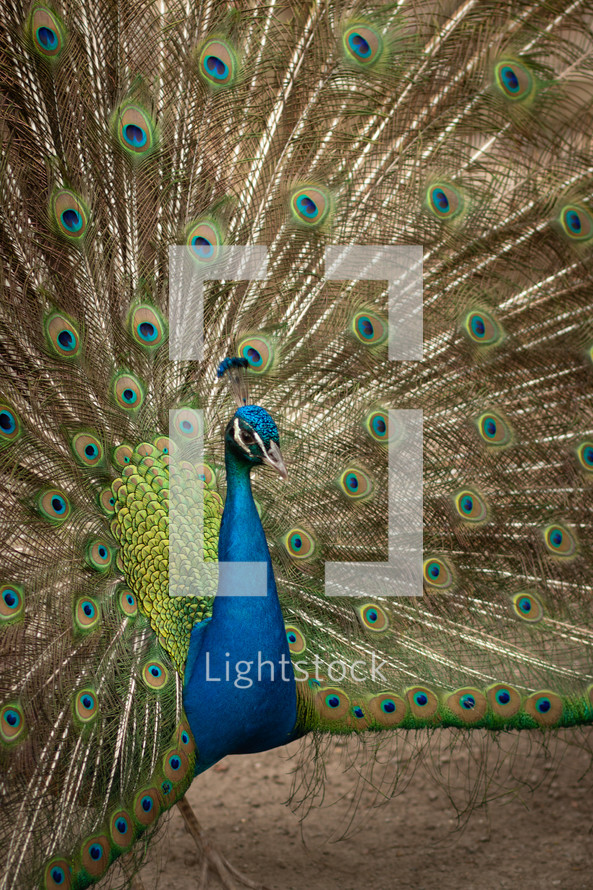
{"x": 401, "y": 575}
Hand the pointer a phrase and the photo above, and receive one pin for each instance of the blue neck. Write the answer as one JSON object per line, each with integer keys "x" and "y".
{"x": 245, "y": 632}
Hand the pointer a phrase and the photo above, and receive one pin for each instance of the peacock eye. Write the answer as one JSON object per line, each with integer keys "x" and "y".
{"x": 248, "y": 438}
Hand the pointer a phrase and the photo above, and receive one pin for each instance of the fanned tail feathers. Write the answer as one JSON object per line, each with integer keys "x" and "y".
{"x": 126, "y": 129}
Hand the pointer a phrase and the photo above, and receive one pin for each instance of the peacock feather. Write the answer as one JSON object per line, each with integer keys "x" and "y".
{"x": 139, "y": 140}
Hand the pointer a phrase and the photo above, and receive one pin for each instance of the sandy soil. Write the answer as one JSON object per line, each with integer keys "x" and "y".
{"x": 525, "y": 839}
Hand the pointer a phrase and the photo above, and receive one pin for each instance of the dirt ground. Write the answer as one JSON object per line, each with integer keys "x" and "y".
{"x": 526, "y": 839}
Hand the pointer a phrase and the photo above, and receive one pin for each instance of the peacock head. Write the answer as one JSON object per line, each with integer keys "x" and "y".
{"x": 253, "y": 437}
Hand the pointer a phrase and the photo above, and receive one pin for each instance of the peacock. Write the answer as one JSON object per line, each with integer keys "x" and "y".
{"x": 295, "y": 392}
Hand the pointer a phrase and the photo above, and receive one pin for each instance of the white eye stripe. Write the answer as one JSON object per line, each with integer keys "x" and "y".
{"x": 238, "y": 436}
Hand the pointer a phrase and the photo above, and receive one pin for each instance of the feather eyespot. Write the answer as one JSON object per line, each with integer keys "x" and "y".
{"x": 527, "y": 606}
{"x": 576, "y": 222}
{"x": 86, "y": 614}
{"x": 188, "y": 424}
{"x": 122, "y": 456}
{"x": 468, "y": 705}
{"x": 310, "y": 206}
{"x": 95, "y": 855}
{"x": 128, "y": 392}
{"x": 204, "y": 239}
{"x": 54, "y": 506}
{"x": 258, "y": 351}
{"x": 362, "y": 44}
{"x": 57, "y": 874}
{"x": 382, "y": 428}
{"x": 356, "y": 484}
{"x": 175, "y": 765}
{"x": 63, "y": 335}
{"x": 87, "y": 449}
{"x": 106, "y": 501}
{"x": 559, "y": 540}
{"x": 372, "y": 617}
{"x": 163, "y": 444}
{"x": 514, "y": 80}
{"x": 470, "y": 506}
{"x": 206, "y": 474}
{"x": 11, "y": 603}
{"x": 481, "y": 328}
{"x": 369, "y": 328}
{"x": 10, "y": 425}
{"x": 47, "y": 33}
{"x": 437, "y": 573}
{"x": 99, "y": 555}
{"x": 71, "y": 215}
{"x": 388, "y": 709}
{"x": 12, "y": 723}
{"x": 217, "y": 63}
{"x": 155, "y": 674}
{"x": 422, "y": 702}
{"x": 86, "y": 707}
{"x": 545, "y": 708}
{"x": 135, "y": 131}
{"x": 299, "y": 543}
{"x": 147, "y": 806}
{"x": 121, "y": 829}
{"x": 332, "y": 703}
{"x": 494, "y": 430}
{"x": 147, "y": 326}
{"x": 296, "y": 640}
{"x": 185, "y": 739}
{"x": 128, "y": 603}
{"x": 504, "y": 701}
{"x": 445, "y": 202}
{"x": 585, "y": 456}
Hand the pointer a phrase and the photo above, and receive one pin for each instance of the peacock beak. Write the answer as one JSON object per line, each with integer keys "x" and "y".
{"x": 273, "y": 457}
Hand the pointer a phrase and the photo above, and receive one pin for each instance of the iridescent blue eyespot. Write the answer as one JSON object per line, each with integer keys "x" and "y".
{"x": 444, "y": 201}
{"x": 363, "y": 44}
{"x": 58, "y": 875}
{"x": 147, "y": 331}
{"x": 467, "y": 701}
{"x": 7, "y": 422}
{"x": 510, "y": 79}
{"x": 421, "y": 699}
{"x": 66, "y": 340}
{"x": 47, "y": 38}
{"x": 72, "y": 220}
{"x": 503, "y": 697}
{"x": 543, "y": 705}
{"x": 528, "y": 607}
{"x": 359, "y": 45}
{"x": 514, "y": 80}
{"x": 388, "y": 706}
{"x": 95, "y": 852}
{"x": 310, "y": 205}
{"x": 121, "y": 825}
{"x": 332, "y": 701}
{"x": 147, "y": 804}
{"x": 202, "y": 247}
{"x": 135, "y": 136}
